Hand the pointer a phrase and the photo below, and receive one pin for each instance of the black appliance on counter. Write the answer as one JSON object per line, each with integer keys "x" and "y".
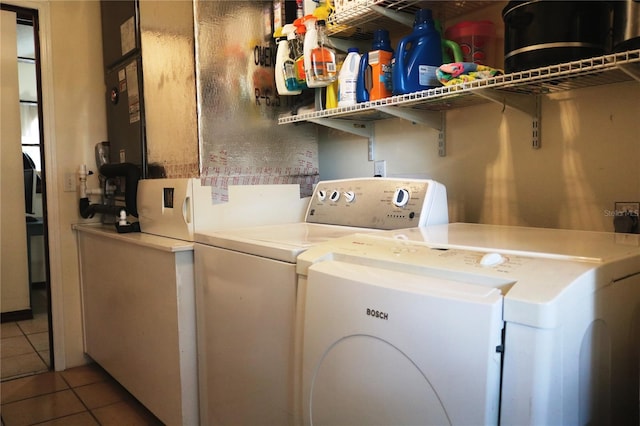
{"x": 540, "y": 33}
{"x": 121, "y": 48}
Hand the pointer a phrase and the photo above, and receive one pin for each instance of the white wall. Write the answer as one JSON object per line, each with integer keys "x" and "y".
{"x": 589, "y": 159}
{"x": 78, "y": 81}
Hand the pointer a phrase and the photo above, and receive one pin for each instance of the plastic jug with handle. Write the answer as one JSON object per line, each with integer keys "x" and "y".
{"x": 418, "y": 56}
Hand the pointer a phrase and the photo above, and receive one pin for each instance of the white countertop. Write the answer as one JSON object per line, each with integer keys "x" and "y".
{"x": 137, "y": 238}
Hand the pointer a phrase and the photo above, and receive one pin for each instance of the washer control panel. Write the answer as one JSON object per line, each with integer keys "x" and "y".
{"x": 378, "y": 203}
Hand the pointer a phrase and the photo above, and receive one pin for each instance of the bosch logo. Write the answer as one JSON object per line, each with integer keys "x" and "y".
{"x": 378, "y": 314}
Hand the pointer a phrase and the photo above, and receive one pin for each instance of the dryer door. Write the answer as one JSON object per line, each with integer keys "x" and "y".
{"x": 388, "y": 347}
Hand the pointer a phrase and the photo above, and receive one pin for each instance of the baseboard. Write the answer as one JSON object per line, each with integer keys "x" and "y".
{"x": 14, "y": 316}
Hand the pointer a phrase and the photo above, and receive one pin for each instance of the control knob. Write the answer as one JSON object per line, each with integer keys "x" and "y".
{"x": 492, "y": 259}
{"x": 335, "y": 196}
{"x": 349, "y": 196}
{"x": 322, "y": 194}
{"x": 401, "y": 197}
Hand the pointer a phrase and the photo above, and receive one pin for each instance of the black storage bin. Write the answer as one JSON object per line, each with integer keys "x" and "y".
{"x": 542, "y": 33}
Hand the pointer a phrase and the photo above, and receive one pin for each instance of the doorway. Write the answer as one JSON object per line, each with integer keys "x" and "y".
{"x": 26, "y": 333}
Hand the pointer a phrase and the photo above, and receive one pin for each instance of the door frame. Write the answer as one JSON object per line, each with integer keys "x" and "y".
{"x": 54, "y": 248}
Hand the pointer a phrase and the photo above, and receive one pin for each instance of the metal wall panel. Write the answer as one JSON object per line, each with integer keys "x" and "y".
{"x": 167, "y": 34}
{"x": 240, "y": 140}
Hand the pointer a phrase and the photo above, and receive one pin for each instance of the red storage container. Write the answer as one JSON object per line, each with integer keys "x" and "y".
{"x": 476, "y": 40}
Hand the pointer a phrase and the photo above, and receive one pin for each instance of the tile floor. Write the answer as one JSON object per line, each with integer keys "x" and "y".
{"x": 24, "y": 347}
{"x": 79, "y": 396}
{"x": 31, "y": 394}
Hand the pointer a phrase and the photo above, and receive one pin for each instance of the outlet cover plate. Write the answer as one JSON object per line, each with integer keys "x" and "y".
{"x": 69, "y": 182}
{"x": 380, "y": 168}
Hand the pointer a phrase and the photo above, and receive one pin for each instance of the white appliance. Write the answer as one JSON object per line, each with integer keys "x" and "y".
{"x": 246, "y": 292}
{"x": 468, "y": 324}
{"x": 138, "y": 288}
{"x": 176, "y": 208}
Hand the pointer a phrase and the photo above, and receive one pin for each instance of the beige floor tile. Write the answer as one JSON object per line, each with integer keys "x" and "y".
{"x": 12, "y": 346}
{"x": 81, "y": 419}
{"x": 40, "y": 341}
{"x": 38, "y": 324}
{"x": 46, "y": 357}
{"x": 85, "y": 375}
{"x": 125, "y": 413}
{"x": 100, "y": 394}
{"x": 28, "y": 387}
{"x": 41, "y": 408}
{"x": 10, "y": 329}
{"x": 22, "y": 365}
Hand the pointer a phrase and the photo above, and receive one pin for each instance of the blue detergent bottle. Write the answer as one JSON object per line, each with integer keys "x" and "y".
{"x": 418, "y": 56}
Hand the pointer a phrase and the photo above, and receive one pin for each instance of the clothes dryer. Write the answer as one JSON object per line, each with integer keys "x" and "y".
{"x": 470, "y": 324}
{"x": 246, "y": 289}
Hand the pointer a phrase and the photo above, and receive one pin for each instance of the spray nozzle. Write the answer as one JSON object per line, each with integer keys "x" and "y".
{"x": 309, "y": 21}
{"x": 289, "y": 31}
{"x": 301, "y": 29}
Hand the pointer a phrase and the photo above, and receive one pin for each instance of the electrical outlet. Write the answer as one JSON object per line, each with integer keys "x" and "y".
{"x": 625, "y": 218}
{"x": 69, "y": 182}
{"x": 380, "y": 168}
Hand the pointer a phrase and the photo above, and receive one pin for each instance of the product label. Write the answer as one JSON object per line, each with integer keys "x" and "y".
{"x": 380, "y": 62}
{"x": 374, "y": 57}
{"x": 427, "y": 76}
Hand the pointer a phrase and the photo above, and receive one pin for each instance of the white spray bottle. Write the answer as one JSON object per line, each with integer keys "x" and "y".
{"x": 310, "y": 43}
{"x": 285, "y": 72}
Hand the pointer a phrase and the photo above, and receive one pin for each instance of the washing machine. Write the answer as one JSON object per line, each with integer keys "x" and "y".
{"x": 467, "y": 324}
{"x": 246, "y": 290}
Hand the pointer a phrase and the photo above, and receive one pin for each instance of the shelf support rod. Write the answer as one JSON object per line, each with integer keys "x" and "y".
{"x": 403, "y": 18}
{"x": 430, "y": 118}
{"x": 343, "y": 45}
{"x": 434, "y": 119}
{"x": 530, "y": 105}
{"x": 630, "y": 71}
{"x": 358, "y": 128}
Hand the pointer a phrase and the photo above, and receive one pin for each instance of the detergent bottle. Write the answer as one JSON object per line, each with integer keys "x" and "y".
{"x": 348, "y": 77}
{"x": 285, "y": 72}
{"x": 417, "y": 57}
{"x": 374, "y": 72}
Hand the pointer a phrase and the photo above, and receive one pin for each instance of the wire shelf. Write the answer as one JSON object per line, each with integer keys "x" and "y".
{"x": 364, "y": 17}
{"x": 601, "y": 70}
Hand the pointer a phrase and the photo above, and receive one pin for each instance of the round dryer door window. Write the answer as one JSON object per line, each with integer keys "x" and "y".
{"x": 388, "y": 387}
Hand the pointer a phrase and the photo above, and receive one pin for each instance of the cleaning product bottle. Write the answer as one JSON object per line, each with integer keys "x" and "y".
{"x": 298, "y": 51}
{"x": 295, "y": 51}
{"x": 375, "y": 69}
{"x": 417, "y": 57}
{"x": 322, "y": 58}
{"x": 285, "y": 73}
{"x": 310, "y": 43}
{"x": 331, "y": 95}
{"x": 348, "y": 77}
